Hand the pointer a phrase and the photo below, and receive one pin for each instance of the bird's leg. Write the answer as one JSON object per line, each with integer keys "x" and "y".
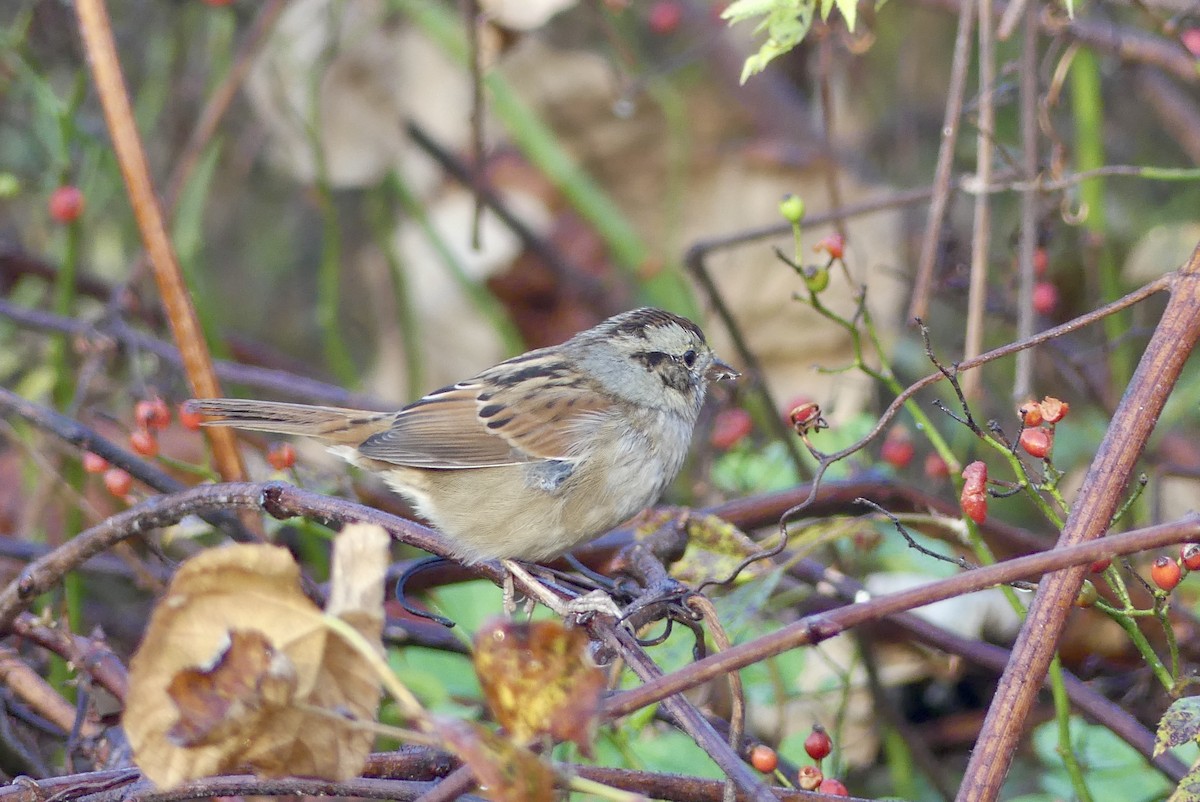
{"x": 595, "y": 602}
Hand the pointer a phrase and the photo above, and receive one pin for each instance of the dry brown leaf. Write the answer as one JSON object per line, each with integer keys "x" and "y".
{"x": 249, "y": 680}
{"x": 506, "y": 771}
{"x": 235, "y": 633}
{"x": 538, "y": 679}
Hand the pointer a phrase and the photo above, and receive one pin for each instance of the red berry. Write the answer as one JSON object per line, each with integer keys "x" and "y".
{"x": 1166, "y": 573}
{"x": 730, "y": 428}
{"x": 832, "y": 787}
{"x": 1041, "y": 262}
{"x": 664, "y": 16}
{"x": 897, "y": 449}
{"x": 144, "y": 442}
{"x": 1190, "y": 556}
{"x": 118, "y": 482}
{"x": 806, "y": 417}
{"x": 1190, "y": 37}
{"x": 833, "y": 244}
{"x": 1054, "y": 410}
{"x": 809, "y": 778}
{"x": 1101, "y": 565}
{"x": 1031, "y": 413}
{"x": 973, "y": 499}
{"x": 1036, "y": 442}
{"x": 152, "y": 414}
{"x": 936, "y": 467}
{"x": 189, "y": 418}
{"x": 281, "y": 456}
{"x": 1045, "y": 298}
{"x": 818, "y": 744}
{"x": 66, "y": 204}
{"x": 94, "y": 463}
{"x": 763, "y": 758}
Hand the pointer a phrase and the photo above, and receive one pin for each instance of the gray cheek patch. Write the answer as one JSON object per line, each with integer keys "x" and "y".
{"x": 548, "y": 475}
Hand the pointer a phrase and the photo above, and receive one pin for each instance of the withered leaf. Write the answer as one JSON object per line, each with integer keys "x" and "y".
{"x": 506, "y": 771}
{"x": 538, "y": 679}
{"x": 292, "y": 692}
{"x": 247, "y": 682}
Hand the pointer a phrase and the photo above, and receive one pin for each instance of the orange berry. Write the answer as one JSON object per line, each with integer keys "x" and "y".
{"x": 281, "y": 456}
{"x": 763, "y": 758}
{"x": 143, "y": 442}
{"x": 1054, "y": 410}
{"x": 189, "y": 418}
{"x": 94, "y": 463}
{"x": 1189, "y": 554}
{"x": 152, "y": 414}
{"x": 1031, "y": 413}
{"x": 118, "y": 482}
{"x": 1036, "y": 442}
{"x": 1166, "y": 573}
{"x": 833, "y": 244}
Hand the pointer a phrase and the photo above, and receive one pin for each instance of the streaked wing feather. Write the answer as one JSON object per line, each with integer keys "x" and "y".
{"x": 446, "y": 430}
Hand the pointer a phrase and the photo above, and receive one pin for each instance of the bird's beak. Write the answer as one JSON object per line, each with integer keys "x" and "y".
{"x": 719, "y": 370}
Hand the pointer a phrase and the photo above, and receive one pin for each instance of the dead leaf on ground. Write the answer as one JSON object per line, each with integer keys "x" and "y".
{"x": 238, "y": 671}
{"x": 506, "y": 772}
{"x": 538, "y": 679}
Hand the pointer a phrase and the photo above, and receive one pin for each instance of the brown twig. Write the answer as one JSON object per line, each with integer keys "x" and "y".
{"x": 89, "y": 655}
{"x": 1028, "y": 83}
{"x": 981, "y": 237}
{"x": 276, "y": 498}
{"x": 686, "y": 716}
{"x": 1091, "y": 515}
{"x": 932, "y": 239}
{"x": 814, "y": 629}
{"x": 291, "y": 385}
{"x": 219, "y": 101}
{"x": 96, "y": 31}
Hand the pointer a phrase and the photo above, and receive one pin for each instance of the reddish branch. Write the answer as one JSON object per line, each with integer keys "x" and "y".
{"x": 1091, "y": 515}
{"x": 101, "y": 50}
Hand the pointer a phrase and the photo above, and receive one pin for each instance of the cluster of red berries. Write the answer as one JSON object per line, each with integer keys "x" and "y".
{"x": 1045, "y": 293}
{"x": 898, "y": 450}
{"x": 1038, "y": 419}
{"x": 818, "y": 745}
{"x": 150, "y": 417}
{"x": 1165, "y": 572}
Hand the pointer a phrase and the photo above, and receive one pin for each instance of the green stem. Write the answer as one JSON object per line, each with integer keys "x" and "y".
{"x": 667, "y": 287}
{"x": 1062, "y": 715}
{"x": 1087, "y": 107}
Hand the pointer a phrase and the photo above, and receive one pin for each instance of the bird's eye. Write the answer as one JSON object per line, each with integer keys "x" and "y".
{"x": 689, "y": 357}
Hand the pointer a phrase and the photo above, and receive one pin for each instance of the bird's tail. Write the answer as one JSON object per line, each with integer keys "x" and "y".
{"x": 331, "y": 425}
